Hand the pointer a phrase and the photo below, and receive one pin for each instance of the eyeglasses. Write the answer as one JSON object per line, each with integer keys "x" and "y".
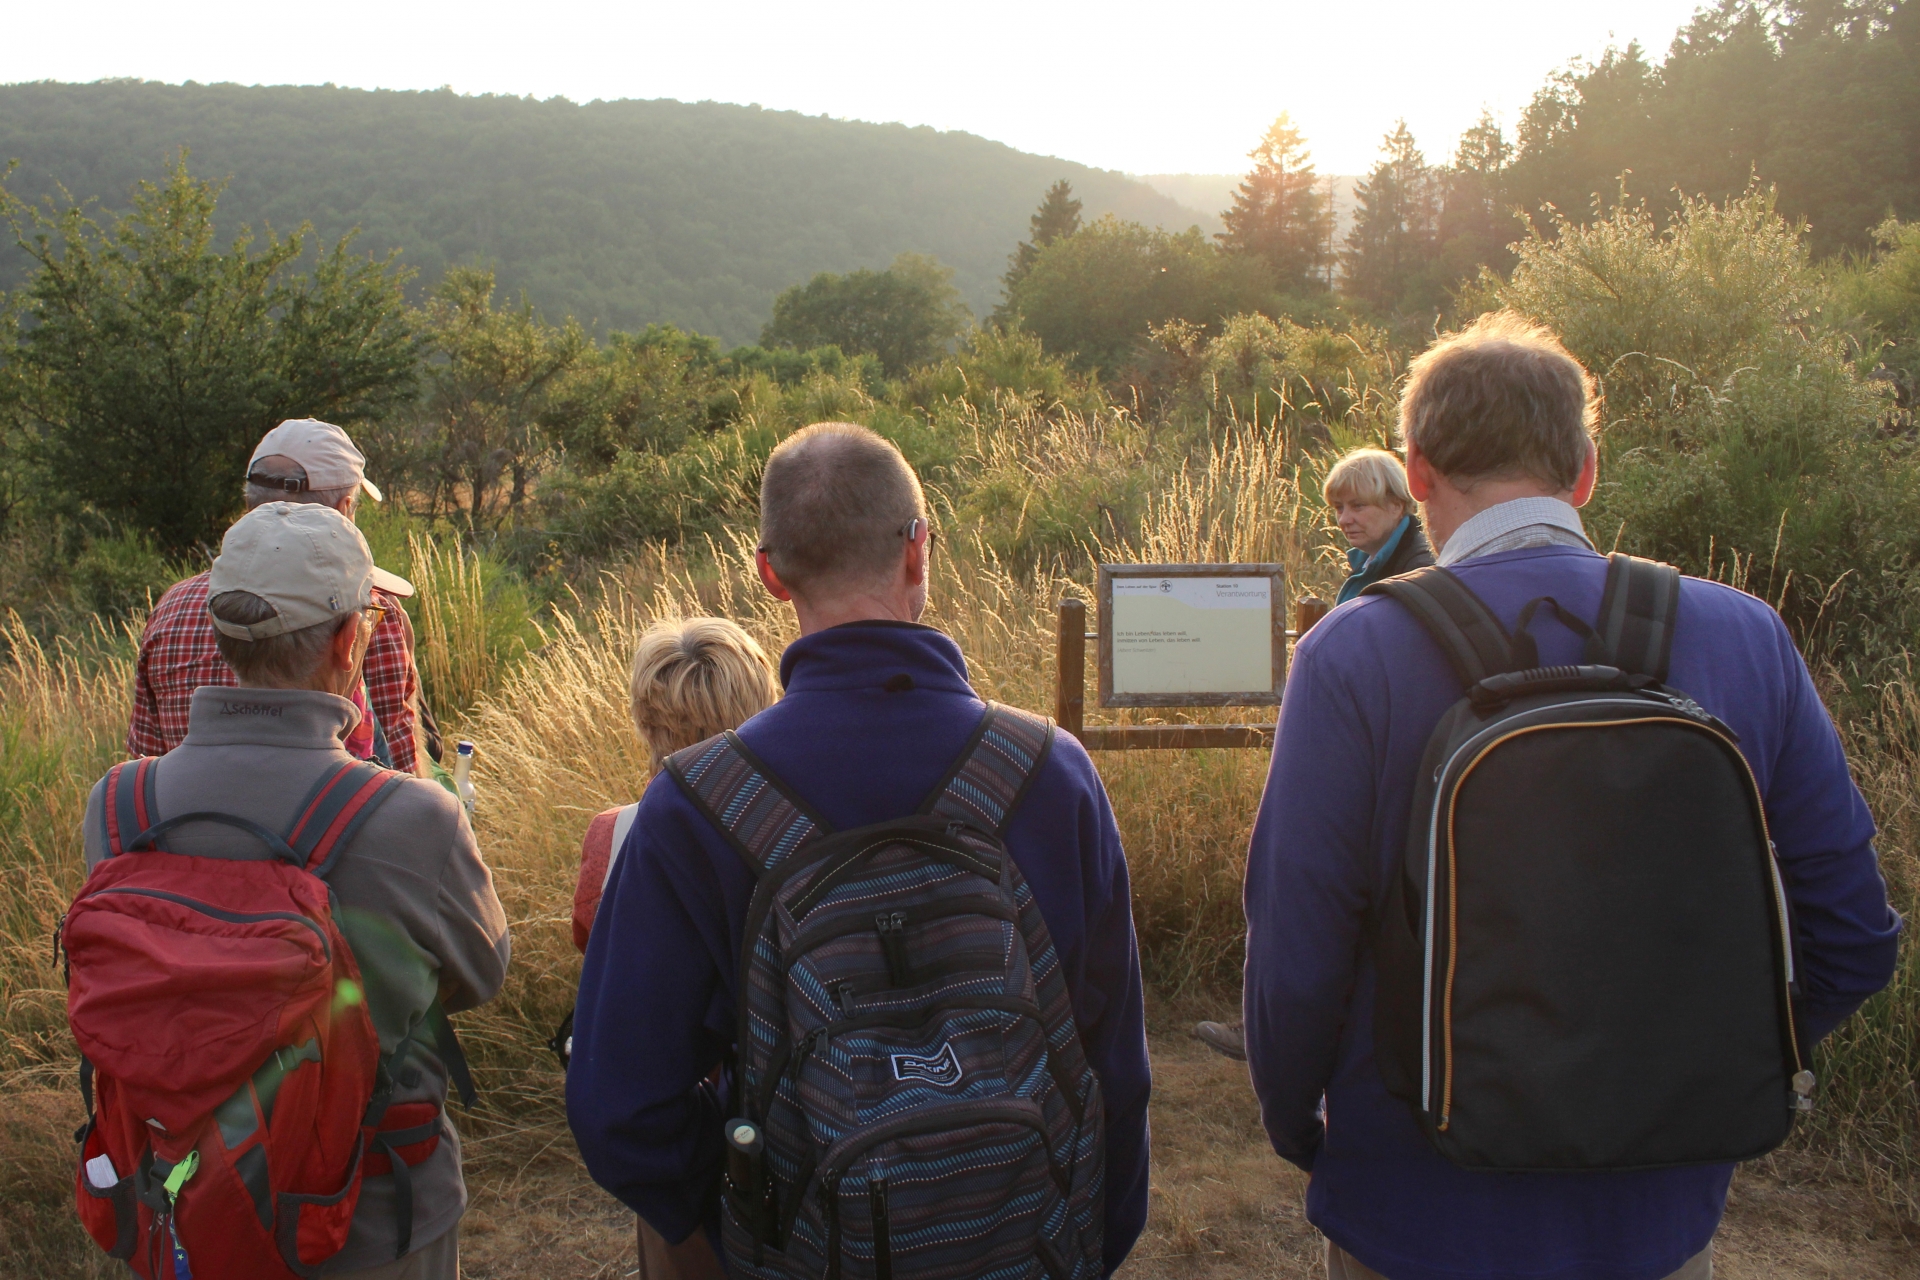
{"x": 379, "y": 612}
{"x": 908, "y": 531}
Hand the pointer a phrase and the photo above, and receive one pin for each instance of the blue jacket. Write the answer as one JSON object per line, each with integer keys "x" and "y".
{"x": 657, "y": 1003}
{"x": 1366, "y": 689}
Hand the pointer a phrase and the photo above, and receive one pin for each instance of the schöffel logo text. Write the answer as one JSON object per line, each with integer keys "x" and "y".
{"x": 941, "y": 1070}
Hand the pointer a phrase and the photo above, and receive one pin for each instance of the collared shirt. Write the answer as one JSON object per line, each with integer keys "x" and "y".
{"x": 178, "y": 654}
{"x": 1509, "y": 526}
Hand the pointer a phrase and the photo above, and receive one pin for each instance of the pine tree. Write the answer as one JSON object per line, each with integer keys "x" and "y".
{"x": 1277, "y": 213}
{"x": 1057, "y": 218}
{"x": 1390, "y": 250}
{"x": 1475, "y": 223}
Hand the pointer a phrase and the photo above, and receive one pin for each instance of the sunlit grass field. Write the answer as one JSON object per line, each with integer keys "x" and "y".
{"x": 544, "y": 697}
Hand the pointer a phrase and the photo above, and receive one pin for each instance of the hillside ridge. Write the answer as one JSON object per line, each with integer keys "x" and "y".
{"x": 620, "y": 212}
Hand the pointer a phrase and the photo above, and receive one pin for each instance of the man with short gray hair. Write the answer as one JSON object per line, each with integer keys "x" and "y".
{"x": 1497, "y": 422}
{"x": 294, "y": 608}
{"x": 877, "y": 711}
{"x": 302, "y": 460}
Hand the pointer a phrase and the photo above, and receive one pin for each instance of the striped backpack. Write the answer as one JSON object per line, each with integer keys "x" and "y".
{"x": 912, "y": 1096}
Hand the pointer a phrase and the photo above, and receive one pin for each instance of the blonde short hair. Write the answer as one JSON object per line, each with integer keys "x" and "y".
{"x": 1369, "y": 475}
{"x": 693, "y": 678}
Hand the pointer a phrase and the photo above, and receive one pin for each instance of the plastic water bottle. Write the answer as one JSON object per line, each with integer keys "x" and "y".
{"x": 463, "y": 774}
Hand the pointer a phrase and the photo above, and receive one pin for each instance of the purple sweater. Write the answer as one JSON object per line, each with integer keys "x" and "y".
{"x": 1367, "y": 688}
{"x": 657, "y": 995}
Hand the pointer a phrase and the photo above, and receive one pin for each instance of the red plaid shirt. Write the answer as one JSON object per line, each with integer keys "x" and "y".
{"x": 178, "y": 654}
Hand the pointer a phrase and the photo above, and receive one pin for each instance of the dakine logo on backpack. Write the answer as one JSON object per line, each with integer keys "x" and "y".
{"x": 942, "y": 1069}
{"x": 1584, "y": 961}
{"x": 882, "y": 968}
{"x": 235, "y": 1090}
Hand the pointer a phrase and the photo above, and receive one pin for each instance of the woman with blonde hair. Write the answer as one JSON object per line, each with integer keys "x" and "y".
{"x": 1367, "y": 490}
{"x": 692, "y": 678}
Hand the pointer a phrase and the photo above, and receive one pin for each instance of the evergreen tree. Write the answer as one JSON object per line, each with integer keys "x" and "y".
{"x": 1476, "y": 221}
{"x": 1389, "y": 255}
{"x": 1278, "y": 213}
{"x": 1057, "y": 218}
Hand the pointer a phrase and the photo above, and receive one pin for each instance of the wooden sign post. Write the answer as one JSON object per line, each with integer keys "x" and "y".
{"x": 1071, "y": 675}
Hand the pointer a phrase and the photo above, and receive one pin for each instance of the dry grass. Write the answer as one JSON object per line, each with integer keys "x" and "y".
{"x": 556, "y": 746}
{"x": 63, "y": 720}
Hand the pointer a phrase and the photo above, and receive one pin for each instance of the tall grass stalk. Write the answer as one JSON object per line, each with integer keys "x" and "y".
{"x": 465, "y": 635}
{"x": 63, "y": 721}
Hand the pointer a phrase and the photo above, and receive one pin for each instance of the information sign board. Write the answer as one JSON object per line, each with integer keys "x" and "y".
{"x": 1191, "y": 635}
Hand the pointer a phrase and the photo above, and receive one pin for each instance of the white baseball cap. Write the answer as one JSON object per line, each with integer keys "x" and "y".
{"x": 322, "y": 450}
{"x": 306, "y": 560}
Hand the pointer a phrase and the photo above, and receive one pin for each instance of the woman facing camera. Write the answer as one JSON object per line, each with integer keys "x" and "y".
{"x": 1367, "y": 490}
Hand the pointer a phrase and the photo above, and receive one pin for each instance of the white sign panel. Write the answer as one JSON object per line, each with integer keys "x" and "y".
{"x": 1192, "y": 635}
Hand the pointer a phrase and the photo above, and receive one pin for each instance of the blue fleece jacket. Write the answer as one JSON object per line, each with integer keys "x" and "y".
{"x": 1366, "y": 689}
{"x": 657, "y": 1006}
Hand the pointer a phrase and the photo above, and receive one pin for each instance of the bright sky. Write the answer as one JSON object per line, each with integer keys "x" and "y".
{"x": 1146, "y": 88}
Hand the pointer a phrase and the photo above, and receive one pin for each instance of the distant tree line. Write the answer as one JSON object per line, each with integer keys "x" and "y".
{"x": 1817, "y": 100}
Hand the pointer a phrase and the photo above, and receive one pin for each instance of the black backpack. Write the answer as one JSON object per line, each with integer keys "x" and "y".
{"x": 912, "y": 1098}
{"x": 1585, "y": 962}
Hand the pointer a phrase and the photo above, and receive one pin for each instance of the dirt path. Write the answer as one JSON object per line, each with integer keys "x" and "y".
{"x": 1223, "y": 1204}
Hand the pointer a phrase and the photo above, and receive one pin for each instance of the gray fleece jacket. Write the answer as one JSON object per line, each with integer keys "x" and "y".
{"x": 416, "y": 903}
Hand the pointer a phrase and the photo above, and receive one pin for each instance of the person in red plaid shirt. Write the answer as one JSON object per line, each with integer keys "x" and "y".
{"x": 301, "y": 460}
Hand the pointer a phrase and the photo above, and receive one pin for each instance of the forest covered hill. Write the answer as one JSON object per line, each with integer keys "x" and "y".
{"x": 620, "y": 213}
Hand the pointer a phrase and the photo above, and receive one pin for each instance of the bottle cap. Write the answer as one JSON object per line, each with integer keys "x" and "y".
{"x": 464, "y": 747}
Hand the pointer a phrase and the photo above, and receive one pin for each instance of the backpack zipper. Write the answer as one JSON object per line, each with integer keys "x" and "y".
{"x": 231, "y": 917}
{"x": 1802, "y": 1081}
{"x": 993, "y": 908}
{"x": 892, "y": 928}
{"x": 932, "y": 1119}
{"x": 882, "y": 1229}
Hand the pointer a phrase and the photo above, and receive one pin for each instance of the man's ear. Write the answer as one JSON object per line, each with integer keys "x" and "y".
{"x": 769, "y": 579}
{"x": 1420, "y": 473}
{"x": 1589, "y": 475}
{"x": 916, "y": 554}
{"x": 340, "y": 650}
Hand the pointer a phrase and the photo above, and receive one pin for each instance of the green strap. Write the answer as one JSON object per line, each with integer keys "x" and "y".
{"x": 177, "y": 1177}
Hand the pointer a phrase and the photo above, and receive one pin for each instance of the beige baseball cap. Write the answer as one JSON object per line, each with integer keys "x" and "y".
{"x": 322, "y": 450}
{"x": 306, "y": 560}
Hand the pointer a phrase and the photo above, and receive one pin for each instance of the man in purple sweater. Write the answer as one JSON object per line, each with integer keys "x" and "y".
{"x": 876, "y": 711}
{"x": 1497, "y": 424}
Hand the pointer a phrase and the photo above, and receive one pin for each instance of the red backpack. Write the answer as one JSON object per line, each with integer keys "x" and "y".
{"x": 236, "y": 1093}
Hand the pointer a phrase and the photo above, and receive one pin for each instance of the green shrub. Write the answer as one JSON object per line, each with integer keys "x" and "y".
{"x": 1880, "y": 299}
{"x": 1739, "y": 442}
{"x": 1095, "y": 294}
{"x": 116, "y": 577}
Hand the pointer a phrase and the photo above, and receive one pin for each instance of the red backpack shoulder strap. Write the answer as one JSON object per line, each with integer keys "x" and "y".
{"x": 334, "y": 810}
{"x": 127, "y": 806}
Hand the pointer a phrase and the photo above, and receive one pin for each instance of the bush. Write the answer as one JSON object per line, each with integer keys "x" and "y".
{"x": 1095, "y": 294}
{"x": 1880, "y": 299}
{"x": 123, "y": 575}
{"x": 1739, "y": 442}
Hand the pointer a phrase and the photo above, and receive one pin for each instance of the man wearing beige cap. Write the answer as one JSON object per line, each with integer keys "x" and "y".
{"x": 295, "y": 605}
{"x": 303, "y": 460}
